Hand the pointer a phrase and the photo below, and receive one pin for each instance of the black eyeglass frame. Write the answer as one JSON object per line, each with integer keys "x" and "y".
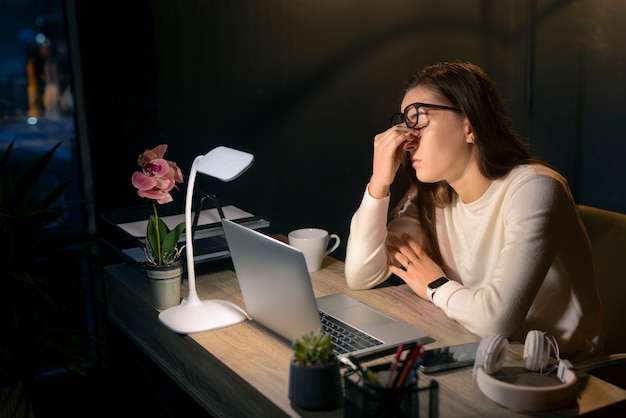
{"x": 402, "y": 116}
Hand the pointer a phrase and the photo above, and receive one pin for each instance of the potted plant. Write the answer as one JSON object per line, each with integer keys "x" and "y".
{"x": 314, "y": 377}
{"x": 41, "y": 265}
{"x": 155, "y": 180}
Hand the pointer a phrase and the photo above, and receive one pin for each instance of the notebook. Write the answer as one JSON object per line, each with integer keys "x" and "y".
{"x": 278, "y": 294}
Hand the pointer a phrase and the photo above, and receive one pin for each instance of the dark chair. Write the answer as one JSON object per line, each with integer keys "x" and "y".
{"x": 607, "y": 233}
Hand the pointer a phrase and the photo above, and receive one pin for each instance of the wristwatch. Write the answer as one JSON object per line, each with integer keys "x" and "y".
{"x": 434, "y": 285}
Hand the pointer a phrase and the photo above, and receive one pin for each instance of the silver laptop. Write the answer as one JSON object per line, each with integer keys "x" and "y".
{"x": 278, "y": 294}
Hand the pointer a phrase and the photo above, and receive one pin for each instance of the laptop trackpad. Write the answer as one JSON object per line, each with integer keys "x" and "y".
{"x": 352, "y": 312}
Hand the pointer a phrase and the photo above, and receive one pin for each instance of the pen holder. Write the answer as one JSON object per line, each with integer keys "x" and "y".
{"x": 364, "y": 400}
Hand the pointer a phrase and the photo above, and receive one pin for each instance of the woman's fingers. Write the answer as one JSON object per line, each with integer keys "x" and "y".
{"x": 413, "y": 245}
{"x": 403, "y": 251}
{"x": 406, "y": 245}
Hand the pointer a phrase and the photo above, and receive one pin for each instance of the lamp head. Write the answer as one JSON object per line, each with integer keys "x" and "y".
{"x": 224, "y": 163}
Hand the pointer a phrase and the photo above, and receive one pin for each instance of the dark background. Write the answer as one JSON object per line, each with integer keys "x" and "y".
{"x": 305, "y": 86}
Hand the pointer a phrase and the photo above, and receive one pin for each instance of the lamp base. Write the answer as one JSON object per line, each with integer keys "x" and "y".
{"x": 207, "y": 315}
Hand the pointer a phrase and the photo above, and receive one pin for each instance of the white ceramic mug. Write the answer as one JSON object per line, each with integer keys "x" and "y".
{"x": 313, "y": 242}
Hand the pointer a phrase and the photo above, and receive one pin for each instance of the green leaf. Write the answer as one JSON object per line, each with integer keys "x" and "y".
{"x": 313, "y": 348}
{"x": 162, "y": 249}
{"x": 153, "y": 241}
{"x": 171, "y": 239}
{"x": 24, "y": 183}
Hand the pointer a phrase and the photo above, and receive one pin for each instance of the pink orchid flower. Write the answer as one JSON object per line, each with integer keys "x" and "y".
{"x": 157, "y": 176}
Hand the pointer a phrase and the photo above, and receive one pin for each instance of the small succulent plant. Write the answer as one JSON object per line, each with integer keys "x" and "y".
{"x": 313, "y": 349}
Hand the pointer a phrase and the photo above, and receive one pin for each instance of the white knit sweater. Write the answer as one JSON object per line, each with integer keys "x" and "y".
{"x": 518, "y": 259}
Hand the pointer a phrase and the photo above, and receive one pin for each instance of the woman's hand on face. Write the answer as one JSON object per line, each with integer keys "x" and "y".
{"x": 388, "y": 148}
{"x": 419, "y": 269}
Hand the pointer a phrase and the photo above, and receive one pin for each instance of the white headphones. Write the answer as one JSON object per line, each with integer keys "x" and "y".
{"x": 490, "y": 357}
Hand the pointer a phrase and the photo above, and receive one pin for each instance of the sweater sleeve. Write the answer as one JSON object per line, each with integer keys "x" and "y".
{"x": 532, "y": 224}
{"x": 366, "y": 255}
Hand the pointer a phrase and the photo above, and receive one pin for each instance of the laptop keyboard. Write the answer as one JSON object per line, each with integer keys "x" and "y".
{"x": 346, "y": 339}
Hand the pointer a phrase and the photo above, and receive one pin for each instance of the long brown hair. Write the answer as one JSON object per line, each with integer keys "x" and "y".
{"x": 499, "y": 148}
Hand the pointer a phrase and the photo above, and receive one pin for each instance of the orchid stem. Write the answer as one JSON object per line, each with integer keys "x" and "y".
{"x": 158, "y": 232}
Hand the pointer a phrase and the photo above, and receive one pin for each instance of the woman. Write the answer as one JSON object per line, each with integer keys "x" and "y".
{"x": 486, "y": 232}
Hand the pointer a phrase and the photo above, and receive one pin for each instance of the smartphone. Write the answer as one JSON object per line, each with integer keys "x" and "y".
{"x": 451, "y": 357}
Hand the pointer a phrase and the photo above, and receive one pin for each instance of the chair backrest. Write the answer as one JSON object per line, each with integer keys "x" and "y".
{"x": 607, "y": 233}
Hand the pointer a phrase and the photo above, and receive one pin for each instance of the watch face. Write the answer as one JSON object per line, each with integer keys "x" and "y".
{"x": 440, "y": 281}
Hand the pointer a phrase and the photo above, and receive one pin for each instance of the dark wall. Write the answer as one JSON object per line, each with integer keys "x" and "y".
{"x": 305, "y": 86}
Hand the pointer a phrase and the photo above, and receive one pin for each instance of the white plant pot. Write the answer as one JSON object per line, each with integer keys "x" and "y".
{"x": 165, "y": 282}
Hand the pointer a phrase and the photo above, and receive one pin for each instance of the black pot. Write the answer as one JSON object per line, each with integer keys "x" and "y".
{"x": 315, "y": 387}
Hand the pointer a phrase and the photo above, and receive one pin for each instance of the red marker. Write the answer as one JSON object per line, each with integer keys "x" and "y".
{"x": 394, "y": 365}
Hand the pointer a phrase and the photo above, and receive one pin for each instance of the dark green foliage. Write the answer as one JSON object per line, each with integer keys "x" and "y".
{"x": 312, "y": 349}
{"x": 41, "y": 264}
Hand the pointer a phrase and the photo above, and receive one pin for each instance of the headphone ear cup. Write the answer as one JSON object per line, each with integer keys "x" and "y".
{"x": 536, "y": 351}
{"x": 491, "y": 353}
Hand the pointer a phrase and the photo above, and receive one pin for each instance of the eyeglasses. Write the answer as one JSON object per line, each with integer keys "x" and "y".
{"x": 414, "y": 118}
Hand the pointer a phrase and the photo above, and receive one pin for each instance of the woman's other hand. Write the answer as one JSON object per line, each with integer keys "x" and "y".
{"x": 418, "y": 269}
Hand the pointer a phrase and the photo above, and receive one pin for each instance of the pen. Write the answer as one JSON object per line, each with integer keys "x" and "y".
{"x": 408, "y": 364}
{"x": 414, "y": 366}
{"x": 402, "y": 362}
{"x": 411, "y": 375}
{"x": 394, "y": 365}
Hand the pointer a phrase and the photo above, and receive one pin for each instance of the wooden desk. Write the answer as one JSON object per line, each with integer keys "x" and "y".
{"x": 243, "y": 370}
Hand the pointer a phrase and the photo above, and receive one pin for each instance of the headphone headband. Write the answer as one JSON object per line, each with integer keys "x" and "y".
{"x": 490, "y": 357}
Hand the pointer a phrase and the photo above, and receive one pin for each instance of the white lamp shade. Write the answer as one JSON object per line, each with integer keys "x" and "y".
{"x": 224, "y": 163}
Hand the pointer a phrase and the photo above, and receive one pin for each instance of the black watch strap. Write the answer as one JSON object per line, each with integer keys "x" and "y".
{"x": 434, "y": 285}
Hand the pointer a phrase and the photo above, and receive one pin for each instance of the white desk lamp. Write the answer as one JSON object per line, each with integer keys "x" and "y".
{"x": 194, "y": 315}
